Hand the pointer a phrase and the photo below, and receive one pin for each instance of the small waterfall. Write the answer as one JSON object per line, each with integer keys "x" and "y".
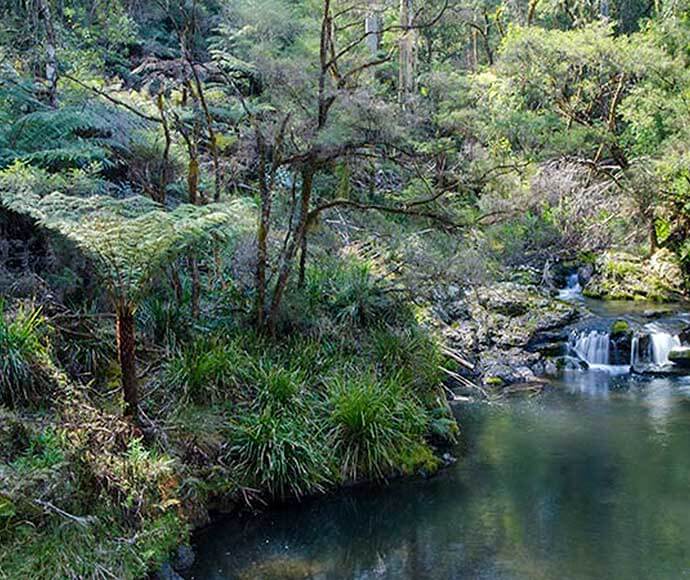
{"x": 573, "y": 288}
{"x": 598, "y": 349}
{"x": 593, "y": 347}
{"x": 662, "y": 344}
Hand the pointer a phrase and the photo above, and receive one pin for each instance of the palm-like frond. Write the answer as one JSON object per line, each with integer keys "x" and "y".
{"x": 130, "y": 240}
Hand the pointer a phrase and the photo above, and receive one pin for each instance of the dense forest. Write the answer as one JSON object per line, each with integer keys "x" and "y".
{"x": 253, "y": 250}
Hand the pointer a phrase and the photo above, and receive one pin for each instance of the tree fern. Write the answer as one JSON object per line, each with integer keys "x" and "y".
{"x": 128, "y": 241}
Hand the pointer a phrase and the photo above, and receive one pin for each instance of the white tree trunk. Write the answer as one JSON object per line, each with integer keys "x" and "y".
{"x": 408, "y": 48}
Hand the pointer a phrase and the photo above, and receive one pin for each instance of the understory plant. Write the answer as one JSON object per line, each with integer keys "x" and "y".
{"x": 372, "y": 423}
{"x": 23, "y": 356}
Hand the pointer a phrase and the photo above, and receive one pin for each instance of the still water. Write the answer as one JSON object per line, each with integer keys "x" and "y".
{"x": 590, "y": 480}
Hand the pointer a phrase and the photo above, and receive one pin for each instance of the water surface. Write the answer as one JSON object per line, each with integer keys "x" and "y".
{"x": 589, "y": 481}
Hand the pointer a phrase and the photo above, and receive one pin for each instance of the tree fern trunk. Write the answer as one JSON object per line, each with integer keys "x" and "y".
{"x": 126, "y": 352}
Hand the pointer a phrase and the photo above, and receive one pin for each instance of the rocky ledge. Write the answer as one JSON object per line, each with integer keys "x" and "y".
{"x": 510, "y": 333}
{"x": 622, "y": 276}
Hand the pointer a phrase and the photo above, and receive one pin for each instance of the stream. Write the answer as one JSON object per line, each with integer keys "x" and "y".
{"x": 590, "y": 480}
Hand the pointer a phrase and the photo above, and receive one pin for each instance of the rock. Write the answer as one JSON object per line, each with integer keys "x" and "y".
{"x": 622, "y": 276}
{"x": 680, "y": 357}
{"x": 453, "y": 291}
{"x": 184, "y": 559}
{"x": 550, "y": 368}
{"x": 166, "y": 572}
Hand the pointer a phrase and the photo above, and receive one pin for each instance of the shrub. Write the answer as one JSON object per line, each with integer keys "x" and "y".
{"x": 372, "y": 423}
{"x": 24, "y": 359}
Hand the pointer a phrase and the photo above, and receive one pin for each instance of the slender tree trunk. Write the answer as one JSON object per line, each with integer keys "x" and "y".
{"x": 653, "y": 237}
{"x": 126, "y": 352}
{"x": 262, "y": 234}
{"x": 407, "y": 80}
{"x": 303, "y": 262}
{"x": 193, "y": 187}
{"x": 166, "y": 151}
{"x": 51, "y": 52}
{"x": 604, "y": 11}
{"x": 291, "y": 251}
{"x": 372, "y": 27}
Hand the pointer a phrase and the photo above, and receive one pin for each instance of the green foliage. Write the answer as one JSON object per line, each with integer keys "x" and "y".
{"x": 372, "y": 424}
{"x": 344, "y": 293}
{"x": 128, "y": 240}
{"x": 208, "y": 370}
{"x": 281, "y": 451}
{"x": 410, "y": 354}
{"x": 45, "y": 451}
{"x": 24, "y": 359}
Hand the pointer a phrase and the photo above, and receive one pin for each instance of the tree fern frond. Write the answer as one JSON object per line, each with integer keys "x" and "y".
{"x": 130, "y": 240}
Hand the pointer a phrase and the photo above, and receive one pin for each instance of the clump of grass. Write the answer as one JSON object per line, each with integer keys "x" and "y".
{"x": 410, "y": 353}
{"x": 209, "y": 370}
{"x": 371, "y": 424}
{"x": 24, "y": 357}
{"x": 281, "y": 453}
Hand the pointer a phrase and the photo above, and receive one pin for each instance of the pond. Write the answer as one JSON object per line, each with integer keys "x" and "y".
{"x": 590, "y": 480}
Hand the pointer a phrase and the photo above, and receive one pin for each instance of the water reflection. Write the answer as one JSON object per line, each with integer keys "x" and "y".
{"x": 574, "y": 485}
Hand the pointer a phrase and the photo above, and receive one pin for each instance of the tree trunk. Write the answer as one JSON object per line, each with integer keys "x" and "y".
{"x": 292, "y": 247}
{"x": 302, "y": 262}
{"x": 162, "y": 188}
{"x": 407, "y": 80}
{"x": 262, "y": 235}
{"x": 604, "y": 11}
{"x": 51, "y": 52}
{"x": 372, "y": 28}
{"x": 653, "y": 238}
{"x": 126, "y": 353}
{"x": 193, "y": 187}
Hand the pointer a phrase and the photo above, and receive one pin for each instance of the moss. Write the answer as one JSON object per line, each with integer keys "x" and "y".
{"x": 620, "y": 327}
{"x": 494, "y": 381}
{"x": 621, "y": 276}
{"x": 419, "y": 459}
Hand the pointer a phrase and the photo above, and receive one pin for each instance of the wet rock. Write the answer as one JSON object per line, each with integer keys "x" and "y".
{"x": 680, "y": 357}
{"x": 184, "y": 559}
{"x": 166, "y": 572}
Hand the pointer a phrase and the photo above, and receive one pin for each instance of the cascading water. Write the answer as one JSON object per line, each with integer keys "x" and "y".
{"x": 596, "y": 348}
{"x": 572, "y": 289}
{"x": 662, "y": 344}
{"x": 593, "y": 347}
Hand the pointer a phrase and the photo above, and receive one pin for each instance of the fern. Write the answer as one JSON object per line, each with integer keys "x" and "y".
{"x": 129, "y": 240}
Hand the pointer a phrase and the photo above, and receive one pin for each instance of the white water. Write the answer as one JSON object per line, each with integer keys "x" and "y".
{"x": 662, "y": 344}
{"x": 572, "y": 289}
{"x": 594, "y": 348}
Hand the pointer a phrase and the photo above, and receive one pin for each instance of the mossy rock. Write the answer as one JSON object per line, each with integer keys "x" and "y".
{"x": 622, "y": 276}
{"x": 620, "y": 327}
{"x": 680, "y": 357}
